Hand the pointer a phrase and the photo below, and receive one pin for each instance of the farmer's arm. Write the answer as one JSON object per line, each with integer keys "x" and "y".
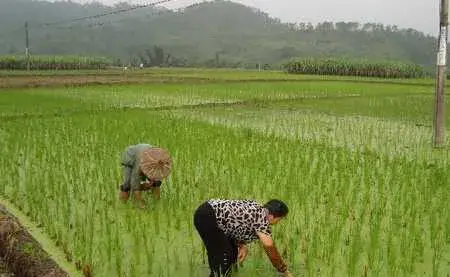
{"x": 156, "y": 188}
{"x": 136, "y": 184}
{"x": 140, "y": 200}
{"x": 156, "y": 192}
{"x": 272, "y": 252}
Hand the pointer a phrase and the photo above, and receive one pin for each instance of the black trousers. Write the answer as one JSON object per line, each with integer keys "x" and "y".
{"x": 126, "y": 186}
{"x": 222, "y": 250}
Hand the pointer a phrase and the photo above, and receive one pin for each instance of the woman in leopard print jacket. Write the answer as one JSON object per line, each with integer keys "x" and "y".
{"x": 226, "y": 226}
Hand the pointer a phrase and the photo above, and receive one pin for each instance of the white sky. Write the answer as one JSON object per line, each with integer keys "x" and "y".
{"x": 422, "y": 15}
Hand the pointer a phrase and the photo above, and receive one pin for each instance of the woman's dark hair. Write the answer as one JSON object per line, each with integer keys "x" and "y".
{"x": 277, "y": 208}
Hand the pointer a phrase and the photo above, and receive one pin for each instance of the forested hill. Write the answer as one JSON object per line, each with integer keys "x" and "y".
{"x": 214, "y": 33}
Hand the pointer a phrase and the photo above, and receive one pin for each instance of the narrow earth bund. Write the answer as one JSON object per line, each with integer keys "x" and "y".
{"x": 21, "y": 253}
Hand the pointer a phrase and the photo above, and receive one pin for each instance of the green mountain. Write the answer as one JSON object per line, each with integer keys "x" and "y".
{"x": 219, "y": 33}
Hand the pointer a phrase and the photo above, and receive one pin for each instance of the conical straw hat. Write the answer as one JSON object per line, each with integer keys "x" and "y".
{"x": 156, "y": 163}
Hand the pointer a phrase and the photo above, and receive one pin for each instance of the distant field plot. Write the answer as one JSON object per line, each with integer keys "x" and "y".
{"x": 359, "y": 122}
{"x": 172, "y": 94}
{"x": 367, "y": 194}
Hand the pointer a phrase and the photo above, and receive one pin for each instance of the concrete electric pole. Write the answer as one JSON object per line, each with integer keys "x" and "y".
{"x": 439, "y": 117}
{"x": 27, "y": 49}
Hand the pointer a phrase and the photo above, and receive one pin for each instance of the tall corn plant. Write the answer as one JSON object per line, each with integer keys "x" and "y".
{"x": 360, "y": 68}
{"x": 47, "y": 62}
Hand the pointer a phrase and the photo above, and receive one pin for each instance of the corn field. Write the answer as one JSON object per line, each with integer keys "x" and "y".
{"x": 53, "y": 62}
{"x": 345, "y": 67}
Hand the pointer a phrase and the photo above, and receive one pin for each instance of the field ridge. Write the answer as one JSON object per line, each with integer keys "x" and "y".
{"x": 33, "y": 235}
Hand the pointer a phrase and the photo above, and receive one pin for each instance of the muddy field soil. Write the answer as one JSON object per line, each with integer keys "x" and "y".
{"x": 22, "y": 81}
{"x": 21, "y": 254}
{"x": 4, "y": 271}
{"x": 51, "y": 81}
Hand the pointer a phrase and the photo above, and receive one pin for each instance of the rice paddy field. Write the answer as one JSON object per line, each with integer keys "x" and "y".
{"x": 352, "y": 158}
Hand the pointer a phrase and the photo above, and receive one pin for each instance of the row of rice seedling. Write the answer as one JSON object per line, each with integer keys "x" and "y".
{"x": 349, "y": 67}
{"x": 357, "y": 98}
{"x": 352, "y": 213}
{"x": 356, "y": 133}
{"x": 47, "y": 62}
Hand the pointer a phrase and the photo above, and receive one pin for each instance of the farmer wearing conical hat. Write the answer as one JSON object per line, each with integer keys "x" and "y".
{"x": 226, "y": 226}
{"x": 144, "y": 168}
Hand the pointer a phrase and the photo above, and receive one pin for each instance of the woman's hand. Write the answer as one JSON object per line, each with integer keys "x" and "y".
{"x": 243, "y": 252}
{"x": 273, "y": 253}
{"x": 140, "y": 200}
{"x": 147, "y": 185}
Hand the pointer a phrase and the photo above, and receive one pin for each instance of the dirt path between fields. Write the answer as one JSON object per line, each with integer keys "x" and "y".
{"x": 21, "y": 253}
{"x": 67, "y": 80}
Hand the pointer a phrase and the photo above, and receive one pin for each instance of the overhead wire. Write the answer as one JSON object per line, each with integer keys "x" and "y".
{"x": 84, "y": 18}
{"x": 103, "y": 14}
{"x": 123, "y": 10}
{"x": 104, "y": 23}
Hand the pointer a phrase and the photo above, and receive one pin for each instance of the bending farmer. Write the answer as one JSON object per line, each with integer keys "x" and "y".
{"x": 144, "y": 168}
{"x": 225, "y": 226}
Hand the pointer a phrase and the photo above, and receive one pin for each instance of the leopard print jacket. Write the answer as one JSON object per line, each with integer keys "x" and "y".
{"x": 241, "y": 219}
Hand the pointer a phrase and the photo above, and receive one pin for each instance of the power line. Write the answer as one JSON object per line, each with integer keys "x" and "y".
{"x": 123, "y": 10}
{"x": 104, "y": 23}
{"x": 105, "y": 13}
{"x": 135, "y": 7}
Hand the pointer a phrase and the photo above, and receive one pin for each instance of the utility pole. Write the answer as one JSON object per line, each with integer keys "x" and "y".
{"x": 27, "y": 49}
{"x": 439, "y": 117}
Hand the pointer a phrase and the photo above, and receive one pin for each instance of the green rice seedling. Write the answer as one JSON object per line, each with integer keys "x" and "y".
{"x": 351, "y": 182}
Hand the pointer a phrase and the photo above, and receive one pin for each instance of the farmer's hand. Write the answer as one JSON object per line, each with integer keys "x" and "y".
{"x": 156, "y": 192}
{"x": 147, "y": 185}
{"x": 123, "y": 196}
{"x": 140, "y": 200}
{"x": 243, "y": 252}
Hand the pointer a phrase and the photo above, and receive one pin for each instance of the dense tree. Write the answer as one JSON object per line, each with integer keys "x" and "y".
{"x": 217, "y": 33}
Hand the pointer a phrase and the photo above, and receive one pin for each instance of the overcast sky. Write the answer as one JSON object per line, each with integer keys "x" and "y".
{"x": 418, "y": 14}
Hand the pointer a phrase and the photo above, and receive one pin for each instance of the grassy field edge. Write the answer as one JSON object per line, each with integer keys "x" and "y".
{"x": 54, "y": 252}
{"x": 23, "y": 79}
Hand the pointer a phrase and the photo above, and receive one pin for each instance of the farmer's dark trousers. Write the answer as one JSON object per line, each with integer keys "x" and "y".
{"x": 126, "y": 186}
{"x": 222, "y": 250}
